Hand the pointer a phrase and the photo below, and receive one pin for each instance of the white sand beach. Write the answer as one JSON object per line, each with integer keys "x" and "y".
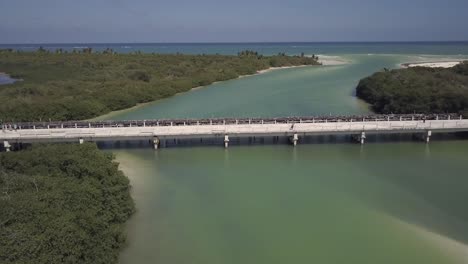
{"x": 434, "y": 64}
{"x": 276, "y": 68}
{"x": 328, "y": 60}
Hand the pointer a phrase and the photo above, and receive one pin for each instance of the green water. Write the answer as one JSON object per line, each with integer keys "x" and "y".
{"x": 398, "y": 202}
{"x": 299, "y": 91}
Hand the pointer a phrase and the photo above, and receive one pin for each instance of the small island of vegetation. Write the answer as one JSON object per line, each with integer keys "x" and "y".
{"x": 84, "y": 84}
{"x": 63, "y": 203}
{"x": 417, "y": 90}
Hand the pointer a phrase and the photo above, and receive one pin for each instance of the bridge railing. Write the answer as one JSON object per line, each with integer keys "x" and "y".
{"x": 226, "y": 121}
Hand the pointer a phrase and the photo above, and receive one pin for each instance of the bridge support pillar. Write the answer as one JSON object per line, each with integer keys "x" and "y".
{"x": 428, "y": 135}
{"x": 294, "y": 139}
{"x": 7, "y": 146}
{"x": 81, "y": 141}
{"x": 362, "y": 138}
{"x": 156, "y": 142}
{"x": 226, "y": 141}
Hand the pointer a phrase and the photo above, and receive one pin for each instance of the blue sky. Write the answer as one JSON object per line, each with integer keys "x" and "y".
{"x": 71, "y": 21}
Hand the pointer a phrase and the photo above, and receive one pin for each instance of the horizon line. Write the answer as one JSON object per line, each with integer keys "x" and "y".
{"x": 240, "y": 42}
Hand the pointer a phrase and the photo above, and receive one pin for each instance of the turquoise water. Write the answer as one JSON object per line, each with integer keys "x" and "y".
{"x": 313, "y": 204}
{"x": 314, "y": 90}
{"x": 387, "y": 202}
{"x": 435, "y": 48}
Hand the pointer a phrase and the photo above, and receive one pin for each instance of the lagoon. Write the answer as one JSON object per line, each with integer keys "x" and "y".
{"x": 385, "y": 202}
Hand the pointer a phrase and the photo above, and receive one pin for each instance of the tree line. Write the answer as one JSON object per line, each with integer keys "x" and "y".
{"x": 76, "y": 86}
{"x": 417, "y": 90}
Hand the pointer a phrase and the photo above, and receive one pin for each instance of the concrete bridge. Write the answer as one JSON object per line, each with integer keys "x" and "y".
{"x": 294, "y": 128}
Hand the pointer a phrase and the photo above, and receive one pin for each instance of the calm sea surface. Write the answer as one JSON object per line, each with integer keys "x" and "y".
{"x": 385, "y": 202}
{"x": 435, "y": 48}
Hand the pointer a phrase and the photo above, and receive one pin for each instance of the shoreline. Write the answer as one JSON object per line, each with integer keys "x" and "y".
{"x": 139, "y": 105}
{"x": 432, "y": 64}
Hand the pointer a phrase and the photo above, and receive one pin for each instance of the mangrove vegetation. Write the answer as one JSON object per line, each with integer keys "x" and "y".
{"x": 62, "y": 204}
{"x": 417, "y": 90}
{"x": 81, "y": 85}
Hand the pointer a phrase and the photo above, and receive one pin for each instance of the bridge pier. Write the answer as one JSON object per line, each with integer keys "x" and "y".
{"x": 226, "y": 141}
{"x": 363, "y": 138}
{"x": 156, "y": 142}
{"x": 7, "y": 146}
{"x": 360, "y": 138}
{"x": 424, "y": 137}
{"x": 294, "y": 139}
{"x": 427, "y": 136}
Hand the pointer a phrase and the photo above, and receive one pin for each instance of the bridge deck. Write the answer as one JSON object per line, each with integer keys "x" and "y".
{"x": 229, "y": 121}
{"x": 123, "y": 130}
